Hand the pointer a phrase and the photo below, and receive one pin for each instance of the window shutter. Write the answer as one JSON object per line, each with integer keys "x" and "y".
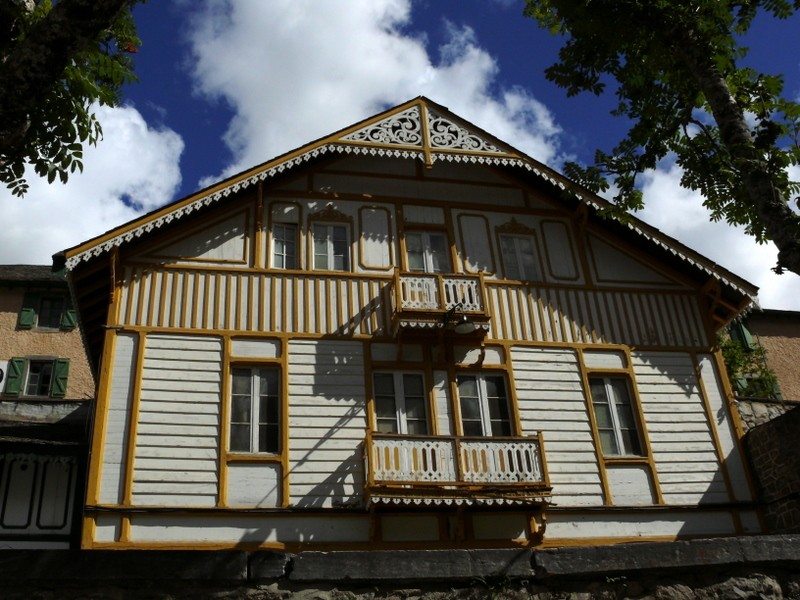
{"x": 69, "y": 319}
{"x": 27, "y": 316}
{"x": 15, "y": 376}
{"x": 741, "y": 334}
{"x": 58, "y": 388}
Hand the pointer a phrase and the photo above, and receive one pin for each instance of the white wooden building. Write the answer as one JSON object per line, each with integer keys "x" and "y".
{"x": 405, "y": 334}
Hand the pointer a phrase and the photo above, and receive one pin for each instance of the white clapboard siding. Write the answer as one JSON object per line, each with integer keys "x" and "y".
{"x": 327, "y": 422}
{"x": 177, "y": 437}
{"x": 677, "y": 424}
{"x": 725, "y": 429}
{"x": 550, "y": 398}
{"x": 642, "y": 318}
{"x": 116, "y": 426}
{"x": 441, "y": 393}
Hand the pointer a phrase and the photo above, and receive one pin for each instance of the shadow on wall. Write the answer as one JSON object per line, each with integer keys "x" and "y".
{"x": 775, "y": 459}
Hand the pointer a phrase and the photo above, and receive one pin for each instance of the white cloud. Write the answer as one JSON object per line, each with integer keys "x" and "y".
{"x": 679, "y": 213}
{"x": 132, "y": 161}
{"x": 295, "y": 70}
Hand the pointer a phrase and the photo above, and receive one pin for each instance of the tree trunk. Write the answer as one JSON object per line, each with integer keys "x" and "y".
{"x": 781, "y": 224}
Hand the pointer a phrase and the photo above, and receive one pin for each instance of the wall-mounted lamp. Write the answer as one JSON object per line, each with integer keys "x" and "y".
{"x": 463, "y": 325}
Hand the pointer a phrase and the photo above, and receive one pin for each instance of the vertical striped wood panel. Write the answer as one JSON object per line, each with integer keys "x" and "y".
{"x": 178, "y": 427}
{"x": 680, "y": 437}
{"x": 116, "y": 426}
{"x": 245, "y": 301}
{"x": 542, "y": 314}
{"x": 330, "y": 304}
{"x": 327, "y": 422}
{"x": 550, "y": 399}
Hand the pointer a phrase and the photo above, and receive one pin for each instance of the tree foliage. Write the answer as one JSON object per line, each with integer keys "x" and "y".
{"x": 58, "y": 58}
{"x": 748, "y": 369}
{"x": 675, "y": 67}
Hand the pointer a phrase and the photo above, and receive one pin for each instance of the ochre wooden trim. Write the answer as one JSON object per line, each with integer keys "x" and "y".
{"x": 257, "y": 233}
{"x": 587, "y": 398}
{"x": 636, "y": 399}
{"x": 224, "y": 424}
{"x": 284, "y": 426}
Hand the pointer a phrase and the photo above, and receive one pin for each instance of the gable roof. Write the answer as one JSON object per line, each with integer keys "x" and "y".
{"x": 423, "y": 130}
{"x": 26, "y": 275}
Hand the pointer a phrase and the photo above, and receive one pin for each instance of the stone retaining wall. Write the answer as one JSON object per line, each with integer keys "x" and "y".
{"x": 775, "y": 457}
{"x": 765, "y": 567}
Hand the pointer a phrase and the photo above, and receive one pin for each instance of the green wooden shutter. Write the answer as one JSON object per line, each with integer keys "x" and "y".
{"x": 741, "y": 334}
{"x": 27, "y": 316}
{"x": 58, "y": 387}
{"x": 69, "y": 319}
{"x": 15, "y": 376}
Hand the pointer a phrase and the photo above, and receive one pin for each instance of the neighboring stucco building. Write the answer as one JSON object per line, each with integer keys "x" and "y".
{"x": 45, "y": 390}
{"x": 778, "y": 331}
{"x": 405, "y": 334}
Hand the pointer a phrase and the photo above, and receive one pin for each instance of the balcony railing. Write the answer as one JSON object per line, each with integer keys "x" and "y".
{"x": 422, "y": 299}
{"x": 455, "y": 468}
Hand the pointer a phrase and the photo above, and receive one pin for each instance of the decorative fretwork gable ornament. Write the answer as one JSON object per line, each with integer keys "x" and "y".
{"x": 431, "y": 134}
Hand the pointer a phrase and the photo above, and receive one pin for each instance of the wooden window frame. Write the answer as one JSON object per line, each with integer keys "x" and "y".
{"x": 18, "y": 379}
{"x": 515, "y": 239}
{"x": 330, "y": 241}
{"x": 285, "y": 256}
{"x": 30, "y": 314}
{"x": 399, "y": 397}
{"x": 616, "y": 427}
{"x": 485, "y": 418}
{"x": 254, "y": 421}
{"x": 427, "y": 256}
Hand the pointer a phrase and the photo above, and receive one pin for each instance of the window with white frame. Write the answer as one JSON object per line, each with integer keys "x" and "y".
{"x": 484, "y": 405}
{"x": 519, "y": 257}
{"x": 400, "y": 405}
{"x": 331, "y": 247}
{"x": 427, "y": 252}
{"x": 284, "y": 245}
{"x": 255, "y": 410}
{"x": 613, "y": 412}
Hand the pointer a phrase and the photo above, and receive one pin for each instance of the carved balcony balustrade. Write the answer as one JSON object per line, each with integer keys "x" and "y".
{"x": 425, "y": 469}
{"x": 427, "y": 300}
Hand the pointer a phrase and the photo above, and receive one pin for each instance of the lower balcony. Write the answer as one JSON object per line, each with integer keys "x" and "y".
{"x": 404, "y": 469}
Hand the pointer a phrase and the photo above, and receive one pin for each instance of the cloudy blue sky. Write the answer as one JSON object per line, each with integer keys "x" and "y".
{"x": 227, "y": 84}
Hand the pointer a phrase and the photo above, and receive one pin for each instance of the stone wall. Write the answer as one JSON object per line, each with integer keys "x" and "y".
{"x": 775, "y": 457}
{"x": 765, "y": 567}
{"x": 757, "y": 412}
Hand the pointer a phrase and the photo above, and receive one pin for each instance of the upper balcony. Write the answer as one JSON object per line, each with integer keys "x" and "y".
{"x": 455, "y": 470}
{"x": 435, "y": 300}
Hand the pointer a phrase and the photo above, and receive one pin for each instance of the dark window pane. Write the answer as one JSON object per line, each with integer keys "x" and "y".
{"x": 240, "y": 438}
{"x": 470, "y": 408}
{"x": 472, "y": 428}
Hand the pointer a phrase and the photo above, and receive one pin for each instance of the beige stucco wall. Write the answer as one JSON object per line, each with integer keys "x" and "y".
{"x": 779, "y": 334}
{"x": 31, "y": 343}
